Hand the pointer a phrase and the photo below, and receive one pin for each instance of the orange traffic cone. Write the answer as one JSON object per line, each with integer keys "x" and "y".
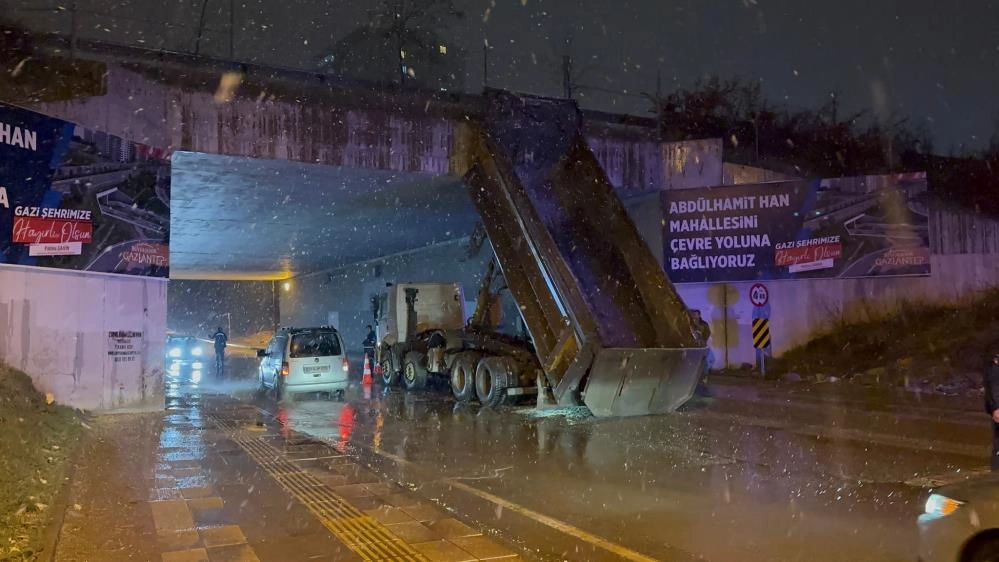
{"x": 366, "y": 375}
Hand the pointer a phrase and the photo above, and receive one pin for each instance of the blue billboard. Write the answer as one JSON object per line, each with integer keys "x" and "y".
{"x": 868, "y": 226}
{"x": 74, "y": 198}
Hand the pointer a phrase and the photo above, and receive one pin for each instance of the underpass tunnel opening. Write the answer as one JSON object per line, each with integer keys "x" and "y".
{"x": 257, "y": 244}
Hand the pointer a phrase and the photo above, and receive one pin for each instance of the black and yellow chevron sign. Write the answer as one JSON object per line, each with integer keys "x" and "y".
{"x": 761, "y": 333}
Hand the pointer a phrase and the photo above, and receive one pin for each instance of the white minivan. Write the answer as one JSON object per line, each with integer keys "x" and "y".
{"x": 303, "y": 360}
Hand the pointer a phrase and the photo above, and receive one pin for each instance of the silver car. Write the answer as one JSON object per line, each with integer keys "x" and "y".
{"x": 304, "y": 360}
{"x": 960, "y": 522}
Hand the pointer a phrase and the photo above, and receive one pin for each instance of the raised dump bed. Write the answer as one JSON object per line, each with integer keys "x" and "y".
{"x": 608, "y": 327}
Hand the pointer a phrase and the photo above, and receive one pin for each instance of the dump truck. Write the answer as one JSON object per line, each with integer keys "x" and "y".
{"x": 606, "y": 327}
{"x": 425, "y": 334}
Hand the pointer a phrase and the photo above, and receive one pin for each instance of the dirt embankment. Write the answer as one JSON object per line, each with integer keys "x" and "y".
{"x": 36, "y": 441}
{"x": 922, "y": 347}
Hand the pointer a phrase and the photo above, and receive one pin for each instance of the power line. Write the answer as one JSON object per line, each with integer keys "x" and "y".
{"x": 585, "y": 87}
{"x": 116, "y": 16}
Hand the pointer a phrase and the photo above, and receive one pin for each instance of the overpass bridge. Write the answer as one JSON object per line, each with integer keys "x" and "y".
{"x": 296, "y": 148}
{"x": 279, "y": 175}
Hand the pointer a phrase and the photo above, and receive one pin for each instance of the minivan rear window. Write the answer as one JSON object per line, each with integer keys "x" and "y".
{"x": 314, "y": 344}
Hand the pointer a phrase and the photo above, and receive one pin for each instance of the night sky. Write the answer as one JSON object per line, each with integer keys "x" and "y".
{"x": 934, "y": 62}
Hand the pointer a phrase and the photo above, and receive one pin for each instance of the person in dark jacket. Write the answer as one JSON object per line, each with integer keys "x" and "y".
{"x": 369, "y": 343}
{"x": 992, "y": 404}
{"x": 702, "y": 332}
{"x": 221, "y": 340}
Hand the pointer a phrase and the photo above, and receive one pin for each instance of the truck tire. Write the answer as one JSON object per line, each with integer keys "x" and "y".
{"x": 390, "y": 371}
{"x": 414, "y": 371}
{"x": 985, "y": 551}
{"x": 491, "y": 381}
{"x": 463, "y": 376}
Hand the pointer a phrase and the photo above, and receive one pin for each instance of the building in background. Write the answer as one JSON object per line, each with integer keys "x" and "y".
{"x": 416, "y": 58}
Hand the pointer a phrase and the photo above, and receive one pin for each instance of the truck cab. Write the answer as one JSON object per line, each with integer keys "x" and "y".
{"x": 439, "y": 306}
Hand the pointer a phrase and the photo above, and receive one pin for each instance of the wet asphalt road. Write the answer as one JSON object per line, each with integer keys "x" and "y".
{"x": 754, "y": 473}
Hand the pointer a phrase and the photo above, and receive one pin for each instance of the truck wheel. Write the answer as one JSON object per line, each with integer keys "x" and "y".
{"x": 491, "y": 382}
{"x": 463, "y": 377}
{"x": 390, "y": 373}
{"x": 414, "y": 371}
{"x": 985, "y": 551}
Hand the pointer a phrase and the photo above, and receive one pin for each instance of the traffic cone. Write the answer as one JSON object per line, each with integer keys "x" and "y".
{"x": 366, "y": 375}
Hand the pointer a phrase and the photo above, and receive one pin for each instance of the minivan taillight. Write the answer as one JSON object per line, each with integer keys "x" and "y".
{"x": 346, "y": 365}
{"x": 284, "y": 369}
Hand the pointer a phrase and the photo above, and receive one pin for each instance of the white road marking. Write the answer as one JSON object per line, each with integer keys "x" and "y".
{"x": 561, "y": 526}
{"x": 556, "y": 524}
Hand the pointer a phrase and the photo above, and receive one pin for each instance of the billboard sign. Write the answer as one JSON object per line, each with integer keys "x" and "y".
{"x": 74, "y": 198}
{"x": 845, "y": 227}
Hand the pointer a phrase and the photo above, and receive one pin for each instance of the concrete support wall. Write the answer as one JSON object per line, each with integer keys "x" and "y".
{"x": 802, "y": 308}
{"x": 197, "y": 308}
{"x": 93, "y": 341}
{"x": 965, "y": 260}
{"x": 346, "y": 293}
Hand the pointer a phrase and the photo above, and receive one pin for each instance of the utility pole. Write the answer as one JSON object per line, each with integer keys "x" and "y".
{"x": 659, "y": 105}
{"x": 73, "y": 27}
{"x": 567, "y": 76}
{"x": 891, "y": 152}
{"x": 485, "y": 64}
{"x": 232, "y": 29}
{"x": 201, "y": 27}
{"x": 756, "y": 137}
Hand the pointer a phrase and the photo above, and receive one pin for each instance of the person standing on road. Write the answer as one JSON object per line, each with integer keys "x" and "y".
{"x": 369, "y": 343}
{"x": 992, "y": 404}
{"x": 702, "y": 332}
{"x": 221, "y": 340}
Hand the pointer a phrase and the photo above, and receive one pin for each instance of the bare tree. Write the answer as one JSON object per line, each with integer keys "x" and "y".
{"x": 412, "y": 23}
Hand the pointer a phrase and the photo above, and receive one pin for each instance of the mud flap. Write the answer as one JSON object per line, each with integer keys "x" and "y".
{"x": 635, "y": 382}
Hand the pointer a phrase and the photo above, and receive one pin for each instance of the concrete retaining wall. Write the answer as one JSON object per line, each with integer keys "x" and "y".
{"x": 801, "y": 309}
{"x": 93, "y": 341}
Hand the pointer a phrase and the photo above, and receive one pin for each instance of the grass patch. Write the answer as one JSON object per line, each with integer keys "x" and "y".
{"x": 917, "y": 341}
{"x": 36, "y": 442}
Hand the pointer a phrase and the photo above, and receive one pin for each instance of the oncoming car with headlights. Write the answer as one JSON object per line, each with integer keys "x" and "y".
{"x": 960, "y": 522}
{"x": 184, "y": 350}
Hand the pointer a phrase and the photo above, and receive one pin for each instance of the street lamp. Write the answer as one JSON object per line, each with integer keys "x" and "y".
{"x": 756, "y": 136}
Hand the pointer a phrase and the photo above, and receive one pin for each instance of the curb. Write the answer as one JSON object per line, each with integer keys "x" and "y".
{"x": 60, "y": 503}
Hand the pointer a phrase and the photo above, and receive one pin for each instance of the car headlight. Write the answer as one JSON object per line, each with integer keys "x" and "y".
{"x": 175, "y": 352}
{"x": 196, "y": 352}
{"x": 941, "y": 506}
